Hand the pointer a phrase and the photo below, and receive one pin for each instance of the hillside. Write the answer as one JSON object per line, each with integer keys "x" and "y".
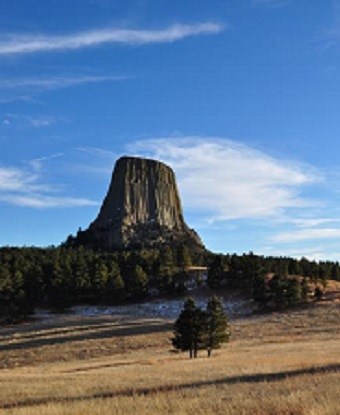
{"x": 277, "y": 363}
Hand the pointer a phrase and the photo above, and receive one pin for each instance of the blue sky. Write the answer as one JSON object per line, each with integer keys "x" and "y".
{"x": 241, "y": 98}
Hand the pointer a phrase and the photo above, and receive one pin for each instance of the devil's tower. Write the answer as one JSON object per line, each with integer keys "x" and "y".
{"x": 142, "y": 209}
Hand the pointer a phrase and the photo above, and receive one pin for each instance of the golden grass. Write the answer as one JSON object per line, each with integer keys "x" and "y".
{"x": 278, "y": 364}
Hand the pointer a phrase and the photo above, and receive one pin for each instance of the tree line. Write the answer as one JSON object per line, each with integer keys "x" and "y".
{"x": 274, "y": 282}
{"x": 62, "y": 276}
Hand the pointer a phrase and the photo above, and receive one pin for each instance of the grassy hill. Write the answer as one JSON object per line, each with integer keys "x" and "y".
{"x": 278, "y": 363}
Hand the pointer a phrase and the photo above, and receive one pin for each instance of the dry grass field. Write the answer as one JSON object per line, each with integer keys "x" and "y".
{"x": 279, "y": 364}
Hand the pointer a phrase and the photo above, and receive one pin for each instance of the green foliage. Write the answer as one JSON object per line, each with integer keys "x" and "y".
{"x": 139, "y": 283}
{"x": 196, "y": 329}
{"x": 285, "y": 292}
{"x": 116, "y": 287}
{"x": 293, "y": 292}
{"x": 216, "y": 325}
{"x": 304, "y": 290}
{"x": 183, "y": 257}
{"x": 318, "y": 293}
{"x": 63, "y": 276}
{"x": 260, "y": 290}
{"x": 216, "y": 272}
{"x": 335, "y": 271}
{"x": 189, "y": 329}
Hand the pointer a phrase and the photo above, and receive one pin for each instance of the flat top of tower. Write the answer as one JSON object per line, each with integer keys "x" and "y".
{"x": 137, "y": 158}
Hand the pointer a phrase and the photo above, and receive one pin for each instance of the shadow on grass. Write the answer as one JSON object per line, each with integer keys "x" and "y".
{"x": 126, "y": 329}
{"x": 71, "y": 328}
{"x": 251, "y": 378}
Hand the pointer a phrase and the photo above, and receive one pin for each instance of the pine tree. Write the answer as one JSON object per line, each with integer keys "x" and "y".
{"x": 335, "y": 272}
{"x": 215, "y": 272}
{"x": 183, "y": 257}
{"x": 139, "y": 283}
{"x": 304, "y": 289}
{"x": 100, "y": 279}
{"x": 189, "y": 329}
{"x": 277, "y": 287}
{"x": 216, "y": 330}
{"x": 293, "y": 292}
{"x": 260, "y": 290}
{"x": 116, "y": 283}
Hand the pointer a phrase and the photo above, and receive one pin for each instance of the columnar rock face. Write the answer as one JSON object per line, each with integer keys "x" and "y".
{"x": 141, "y": 209}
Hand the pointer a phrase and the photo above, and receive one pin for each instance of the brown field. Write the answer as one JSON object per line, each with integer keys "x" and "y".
{"x": 279, "y": 364}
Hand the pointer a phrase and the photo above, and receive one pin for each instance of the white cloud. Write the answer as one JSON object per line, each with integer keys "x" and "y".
{"x": 22, "y": 120}
{"x": 54, "y": 82}
{"x": 19, "y": 44}
{"x": 22, "y": 188}
{"x": 311, "y": 222}
{"x": 307, "y": 234}
{"x": 24, "y": 89}
{"x": 38, "y": 201}
{"x": 12, "y": 179}
{"x": 227, "y": 180}
{"x": 38, "y": 162}
{"x": 316, "y": 253}
{"x": 42, "y": 121}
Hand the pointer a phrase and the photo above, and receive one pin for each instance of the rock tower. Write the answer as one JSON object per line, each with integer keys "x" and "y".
{"x": 142, "y": 209}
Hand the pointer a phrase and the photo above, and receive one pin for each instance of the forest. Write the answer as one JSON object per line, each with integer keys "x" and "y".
{"x": 59, "y": 277}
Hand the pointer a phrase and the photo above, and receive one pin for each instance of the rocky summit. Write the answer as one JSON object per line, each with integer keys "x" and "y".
{"x": 142, "y": 209}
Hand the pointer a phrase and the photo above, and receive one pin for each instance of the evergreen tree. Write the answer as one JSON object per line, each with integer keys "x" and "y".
{"x": 304, "y": 289}
{"x": 166, "y": 270}
{"x": 277, "y": 287}
{"x": 215, "y": 272}
{"x": 335, "y": 272}
{"x": 116, "y": 284}
{"x": 318, "y": 293}
{"x": 260, "y": 290}
{"x": 139, "y": 283}
{"x": 183, "y": 257}
{"x": 216, "y": 330}
{"x": 189, "y": 329}
{"x": 293, "y": 292}
{"x": 100, "y": 279}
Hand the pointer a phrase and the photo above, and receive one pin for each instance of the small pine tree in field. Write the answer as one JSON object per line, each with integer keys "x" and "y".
{"x": 318, "y": 293}
{"x": 216, "y": 330}
{"x": 189, "y": 329}
{"x": 201, "y": 330}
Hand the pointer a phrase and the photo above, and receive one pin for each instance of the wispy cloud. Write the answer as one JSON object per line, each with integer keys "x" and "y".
{"x": 12, "y": 179}
{"x": 38, "y": 162}
{"x": 22, "y": 120}
{"x": 312, "y": 253}
{"x": 25, "y": 89}
{"x": 39, "y": 201}
{"x": 95, "y": 160}
{"x": 42, "y": 121}
{"x": 311, "y": 222}
{"x": 20, "y": 44}
{"x": 228, "y": 180}
{"x": 307, "y": 234}
{"x": 54, "y": 82}
{"x": 24, "y": 188}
